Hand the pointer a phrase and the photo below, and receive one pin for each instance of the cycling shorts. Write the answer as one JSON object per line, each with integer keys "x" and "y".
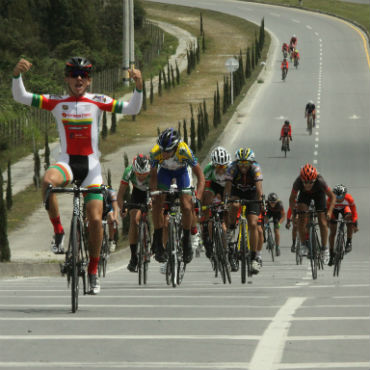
{"x": 253, "y": 208}
{"x": 276, "y": 216}
{"x": 343, "y": 211}
{"x": 166, "y": 177}
{"x": 82, "y": 169}
{"x": 318, "y": 197}
{"x": 215, "y": 188}
{"x": 138, "y": 196}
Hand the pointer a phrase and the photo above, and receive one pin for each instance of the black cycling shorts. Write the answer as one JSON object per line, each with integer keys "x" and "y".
{"x": 216, "y": 188}
{"x": 318, "y": 197}
{"x": 137, "y": 196}
{"x": 253, "y": 208}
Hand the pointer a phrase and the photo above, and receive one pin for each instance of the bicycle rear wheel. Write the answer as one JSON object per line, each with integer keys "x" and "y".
{"x": 243, "y": 254}
{"x": 312, "y": 251}
{"x": 339, "y": 248}
{"x": 141, "y": 251}
{"x": 104, "y": 251}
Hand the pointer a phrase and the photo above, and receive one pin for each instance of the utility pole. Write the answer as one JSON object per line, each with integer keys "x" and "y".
{"x": 132, "y": 34}
{"x": 126, "y": 42}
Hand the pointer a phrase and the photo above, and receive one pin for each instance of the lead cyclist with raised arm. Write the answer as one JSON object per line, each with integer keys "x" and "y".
{"x": 77, "y": 115}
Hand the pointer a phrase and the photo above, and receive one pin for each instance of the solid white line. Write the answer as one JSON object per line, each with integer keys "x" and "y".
{"x": 269, "y": 350}
{"x": 129, "y": 365}
{"x": 98, "y": 337}
{"x": 328, "y": 337}
{"x": 82, "y": 305}
{"x": 330, "y": 318}
{"x": 336, "y": 305}
{"x": 324, "y": 365}
{"x": 101, "y": 296}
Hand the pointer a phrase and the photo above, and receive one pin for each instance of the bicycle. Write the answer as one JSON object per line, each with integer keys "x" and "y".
{"x": 175, "y": 269}
{"x": 144, "y": 240}
{"x": 76, "y": 260}
{"x": 220, "y": 257}
{"x": 296, "y": 62}
{"x": 314, "y": 246}
{"x": 270, "y": 246}
{"x": 285, "y": 145}
{"x": 104, "y": 250}
{"x": 284, "y": 73}
{"x": 242, "y": 245}
{"x": 309, "y": 123}
{"x": 340, "y": 244}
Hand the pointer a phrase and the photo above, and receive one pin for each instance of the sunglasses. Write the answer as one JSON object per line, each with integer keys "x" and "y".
{"x": 221, "y": 166}
{"x": 243, "y": 163}
{"x": 78, "y": 73}
{"x": 309, "y": 182}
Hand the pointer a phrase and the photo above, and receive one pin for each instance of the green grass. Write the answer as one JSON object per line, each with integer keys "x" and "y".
{"x": 359, "y": 13}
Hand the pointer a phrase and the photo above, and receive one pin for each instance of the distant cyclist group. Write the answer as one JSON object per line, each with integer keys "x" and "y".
{"x": 293, "y": 53}
{"x": 232, "y": 184}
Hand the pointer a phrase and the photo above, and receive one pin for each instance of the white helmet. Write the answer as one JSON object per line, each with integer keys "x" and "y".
{"x": 310, "y": 102}
{"x": 220, "y": 156}
{"x": 141, "y": 164}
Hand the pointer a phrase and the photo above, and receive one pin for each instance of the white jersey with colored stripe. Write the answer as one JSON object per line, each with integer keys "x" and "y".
{"x": 77, "y": 118}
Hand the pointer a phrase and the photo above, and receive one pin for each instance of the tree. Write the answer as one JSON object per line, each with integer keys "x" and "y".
{"x": 104, "y": 131}
{"x": 248, "y": 67}
{"x": 218, "y": 105}
{"x": 200, "y": 133}
{"x": 36, "y": 168}
{"x": 193, "y": 144}
{"x": 47, "y": 152}
{"x": 151, "y": 90}
{"x": 204, "y": 47}
{"x": 185, "y": 132}
{"x": 262, "y": 34}
{"x": 179, "y": 128}
{"x": 144, "y": 95}
{"x": 4, "y": 243}
{"x": 253, "y": 59}
{"x": 201, "y": 24}
{"x": 109, "y": 178}
{"x": 177, "y": 73}
{"x": 9, "y": 200}
{"x": 164, "y": 78}
{"x": 160, "y": 83}
{"x": 214, "y": 109}
{"x": 113, "y": 127}
{"x": 173, "y": 77}
{"x": 188, "y": 67}
{"x": 205, "y": 117}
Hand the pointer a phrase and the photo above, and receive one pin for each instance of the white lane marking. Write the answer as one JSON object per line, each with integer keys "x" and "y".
{"x": 127, "y": 365}
{"x": 85, "y": 305}
{"x": 331, "y": 318}
{"x": 99, "y": 297}
{"x": 317, "y": 126}
{"x": 325, "y": 365}
{"x": 269, "y": 350}
{"x": 317, "y": 139}
{"x": 354, "y": 116}
{"x": 275, "y": 14}
{"x": 98, "y": 337}
{"x": 302, "y": 284}
{"x": 316, "y": 145}
{"x": 316, "y": 33}
{"x": 315, "y": 153}
{"x": 328, "y": 337}
{"x": 309, "y": 27}
{"x": 336, "y": 306}
{"x": 315, "y": 161}
{"x": 296, "y": 21}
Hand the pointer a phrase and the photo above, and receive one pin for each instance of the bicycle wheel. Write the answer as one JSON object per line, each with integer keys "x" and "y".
{"x": 75, "y": 240}
{"x": 243, "y": 253}
{"x": 227, "y": 267}
{"x": 172, "y": 258}
{"x": 319, "y": 258}
{"x": 339, "y": 247}
{"x": 312, "y": 251}
{"x": 104, "y": 250}
{"x": 181, "y": 265}
{"x": 310, "y": 124}
{"x": 220, "y": 255}
{"x": 141, "y": 246}
{"x": 270, "y": 243}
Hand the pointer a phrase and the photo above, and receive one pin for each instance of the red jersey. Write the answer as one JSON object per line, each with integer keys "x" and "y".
{"x": 286, "y": 130}
{"x": 285, "y": 65}
{"x": 349, "y": 203}
{"x": 285, "y": 47}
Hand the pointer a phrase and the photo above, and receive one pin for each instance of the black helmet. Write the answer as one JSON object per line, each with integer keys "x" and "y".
{"x": 272, "y": 197}
{"x": 286, "y": 122}
{"x": 168, "y": 139}
{"x": 79, "y": 63}
{"x": 340, "y": 190}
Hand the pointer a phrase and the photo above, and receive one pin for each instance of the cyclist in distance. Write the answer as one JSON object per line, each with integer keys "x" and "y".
{"x": 275, "y": 210}
{"x": 344, "y": 204}
{"x": 311, "y": 185}
{"x": 310, "y": 110}
{"x": 286, "y": 131}
{"x": 285, "y": 49}
{"x": 244, "y": 181}
{"x": 173, "y": 157}
{"x": 284, "y": 67}
{"x": 77, "y": 115}
{"x": 215, "y": 177}
{"x": 137, "y": 174}
{"x": 293, "y": 43}
{"x": 296, "y": 55}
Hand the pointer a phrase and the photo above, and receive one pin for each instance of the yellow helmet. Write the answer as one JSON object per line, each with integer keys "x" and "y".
{"x": 245, "y": 154}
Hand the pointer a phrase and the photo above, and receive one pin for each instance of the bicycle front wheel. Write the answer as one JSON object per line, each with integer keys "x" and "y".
{"x": 270, "y": 243}
{"x": 75, "y": 240}
{"x": 313, "y": 252}
{"x": 243, "y": 254}
{"x": 172, "y": 254}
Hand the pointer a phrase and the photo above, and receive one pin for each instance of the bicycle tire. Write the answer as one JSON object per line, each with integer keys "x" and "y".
{"x": 220, "y": 254}
{"x": 227, "y": 267}
{"x": 74, "y": 267}
{"x": 243, "y": 253}
{"x": 298, "y": 257}
{"x": 310, "y": 124}
{"x": 172, "y": 259}
{"x": 312, "y": 251}
{"x": 270, "y": 243}
{"x": 339, "y": 247}
{"x": 141, "y": 246}
{"x": 102, "y": 266}
{"x": 319, "y": 258}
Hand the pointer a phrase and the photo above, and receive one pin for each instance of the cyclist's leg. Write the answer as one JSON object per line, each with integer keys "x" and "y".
{"x": 348, "y": 217}
{"x": 302, "y": 205}
{"x": 207, "y": 199}
{"x": 277, "y": 234}
{"x": 320, "y": 205}
{"x": 133, "y": 234}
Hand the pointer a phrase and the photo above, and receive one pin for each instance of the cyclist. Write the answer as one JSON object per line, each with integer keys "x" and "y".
{"x": 292, "y": 218}
{"x": 345, "y": 205}
{"x": 244, "y": 181}
{"x": 138, "y": 176}
{"x": 311, "y": 185}
{"x": 284, "y": 67}
{"x": 286, "y": 132}
{"x": 275, "y": 210}
{"x": 112, "y": 217}
{"x": 215, "y": 177}
{"x": 310, "y": 110}
{"x": 285, "y": 49}
{"x": 77, "y": 115}
{"x": 293, "y": 43}
{"x": 173, "y": 157}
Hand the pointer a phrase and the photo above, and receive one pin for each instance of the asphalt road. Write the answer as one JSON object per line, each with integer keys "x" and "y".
{"x": 281, "y": 319}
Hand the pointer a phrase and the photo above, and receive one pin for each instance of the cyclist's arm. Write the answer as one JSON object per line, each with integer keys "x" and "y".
{"x": 200, "y": 180}
{"x": 352, "y": 207}
{"x": 153, "y": 182}
{"x": 331, "y": 196}
{"x": 292, "y": 198}
{"x": 259, "y": 190}
{"x": 121, "y": 193}
{"x": 115, "y": 210}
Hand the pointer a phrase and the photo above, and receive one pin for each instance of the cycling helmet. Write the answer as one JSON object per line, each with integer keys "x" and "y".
{"x": 294, "y": 35}
{"x": 308, "y": 172}
{"x": 141, "y": 164}
{"x": 245, "y": 154}
{"x": 272, "y": 197}
{"x": 79, "y": 63}
{"x": 340, "y": 190}
{"x": 286, "y": 122}
{"x": 168, "y": 139}
{"x": 310, "y": 102}
{"x": 220, "y": 156}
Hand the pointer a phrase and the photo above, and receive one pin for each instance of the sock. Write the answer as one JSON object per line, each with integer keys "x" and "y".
{"x": 93, "y": 265}
{"x": 58, "y": 228}
{"x": 186, "y": 236}
{"x": 349, "y": 240}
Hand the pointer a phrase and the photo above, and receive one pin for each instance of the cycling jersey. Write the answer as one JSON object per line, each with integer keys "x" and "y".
{"x": 275, "y": 211}
{"x": 310, "y": 108}
{"x": 77, "y": 118}
{"x": 293, "y": 41}
{"x": 211, "y": 175}
{"x": 285, "y": 65}
{"x": 286, "y": 130}
{"x": 347, "y": 205}
{"x": 285, "y": 47}
{"x": 244, "y": 182}
{"x": 319, "y": 186}
{"x": 130, "y": 176}
{"x": 182, "y": 158}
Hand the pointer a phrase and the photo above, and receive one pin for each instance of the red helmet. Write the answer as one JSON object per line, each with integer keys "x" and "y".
{"x": 308, "y": 172}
